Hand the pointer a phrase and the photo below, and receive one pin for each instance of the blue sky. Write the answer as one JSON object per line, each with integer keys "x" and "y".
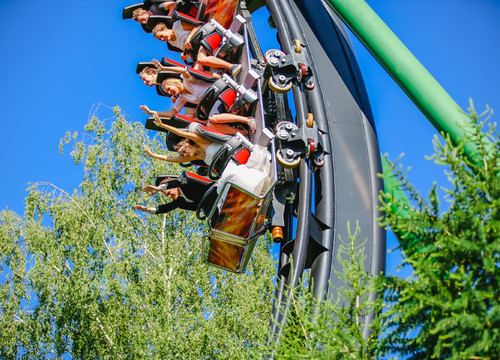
{"x": 58, "y": 61}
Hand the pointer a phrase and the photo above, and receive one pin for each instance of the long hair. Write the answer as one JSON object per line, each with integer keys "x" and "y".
{"x": 185, "y": 143}
{"x": 174, "y": 82}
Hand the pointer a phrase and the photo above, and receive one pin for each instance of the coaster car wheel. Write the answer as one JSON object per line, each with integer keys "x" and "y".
{"x": 287, "y": 126}
{"x": 273, "y": 57}
{"x": 288, "y": 162}
{"x": 297, "y": 46}
{"x": 310, "y": 84}
{"x": 319, "y": 162}
{"x": 283, "y": 129}
{"x": 302, "y": 72}
{"x": 311, "y": 148}
{"x": 310, "y": 120}
{"x": 280, "y": 89}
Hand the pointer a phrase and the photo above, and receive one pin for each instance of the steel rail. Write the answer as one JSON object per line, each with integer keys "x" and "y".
{"x": 347, "y": 186}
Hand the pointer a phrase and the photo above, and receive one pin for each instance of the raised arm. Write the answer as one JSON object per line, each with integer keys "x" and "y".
{"x": 174, "y": 159}
{"x": 168, "y": 6}
{"x": 185, "y": 134}
{"x": 190, "y": 36}
{"x": 176, "y": 69}
{"x": 166, "y": 114}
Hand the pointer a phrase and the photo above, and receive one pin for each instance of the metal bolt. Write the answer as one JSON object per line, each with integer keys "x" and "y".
{"x": 289, "y": 153}
{"x": 273, "y": 61}
{"x": 282, "y": 134}
{"x": 281, "y": 78}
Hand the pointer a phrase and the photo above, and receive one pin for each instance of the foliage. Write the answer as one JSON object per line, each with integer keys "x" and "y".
{"x": 85, "y": 276}
{"x": 326, "y": 329}
{"x": 450, "y": 307}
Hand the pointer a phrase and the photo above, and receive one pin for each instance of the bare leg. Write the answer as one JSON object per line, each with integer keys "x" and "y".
{"x": 212, "y": 61}
{"x": 232, "y": 118}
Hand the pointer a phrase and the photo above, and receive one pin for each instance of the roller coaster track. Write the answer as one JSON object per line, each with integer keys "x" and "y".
{"x": 346, "y": 187}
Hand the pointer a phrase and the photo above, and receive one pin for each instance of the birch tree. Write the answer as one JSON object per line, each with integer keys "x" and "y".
{"x": 86, "y": 276}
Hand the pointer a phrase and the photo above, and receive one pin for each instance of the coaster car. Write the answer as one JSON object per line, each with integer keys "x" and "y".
{"x": 238, "y": 217}
{"x": 197, "y": 74}
{"x": 233, "y": 148}
{"x": 236, "y": 221}
{"x": 171, "y": 139}
{"x": 217, "y": 40}
{"x": 153, "y": 20}
{"x": 225, "y": 95}
{"x": 193, "y": 186}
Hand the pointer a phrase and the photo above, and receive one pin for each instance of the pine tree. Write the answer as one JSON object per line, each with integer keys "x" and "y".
{"x": 450, "y": 307}
{"x": 86, "y": 276}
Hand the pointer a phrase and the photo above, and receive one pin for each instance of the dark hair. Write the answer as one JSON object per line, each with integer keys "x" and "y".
{"x": 164, "y": 181}
{"x": 159, "y": 27}
{"x": 189, "y": 141}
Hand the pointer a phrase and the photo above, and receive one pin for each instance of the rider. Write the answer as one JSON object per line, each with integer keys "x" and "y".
{"x": 185, "y": 190}
{"x": 180, "y": 37}
{"x": 142, "y": 15}
{"x": 254, "y": 175}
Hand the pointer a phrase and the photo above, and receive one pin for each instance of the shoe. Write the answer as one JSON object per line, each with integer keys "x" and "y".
{"x": 235, "y": 69}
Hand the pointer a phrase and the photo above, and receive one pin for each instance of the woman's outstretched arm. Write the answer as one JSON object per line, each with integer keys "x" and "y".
{"x": 166, "y": 114}
{"x": 176, "y": 69}
{"x": 174, "y": 159}
{"x": 185, "y": 134}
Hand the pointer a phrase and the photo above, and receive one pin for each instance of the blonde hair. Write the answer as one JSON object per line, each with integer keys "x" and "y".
{"x": 137, "y": 12}
{"x": 174, "y": 82}
{"x": 149, "y": 70}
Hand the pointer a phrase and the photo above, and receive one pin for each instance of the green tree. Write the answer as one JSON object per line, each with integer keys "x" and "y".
{"x": 84, "y": 275}
{"x": 450, "y": 307}
{"x": 326, "y": 328}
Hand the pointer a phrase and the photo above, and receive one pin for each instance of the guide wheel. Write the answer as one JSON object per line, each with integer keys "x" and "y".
{"x": 310, "y": 120}
{"x": 279, "y": 88}
{"x": 286, "y": 162}
{"x": 297, "y": 46}
{"x": 302, "y": 72}
{"x": 311, "y": 147}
